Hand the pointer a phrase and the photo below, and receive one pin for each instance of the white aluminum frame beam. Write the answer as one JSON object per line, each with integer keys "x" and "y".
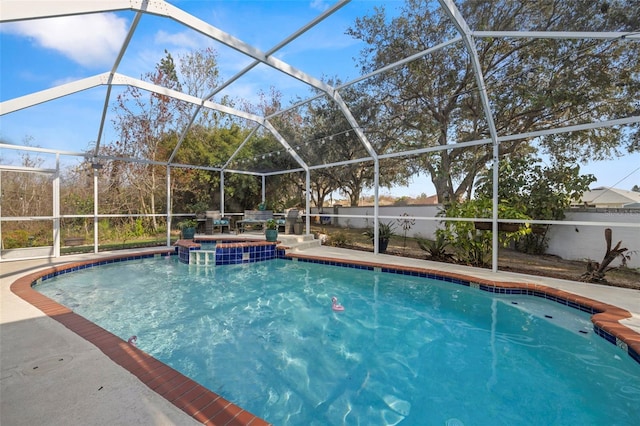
{"x": 286, "y": 172}
{"x": 23, "y": 10}
{"x": 560, "y": 35}
{"x": 116, "y": 79}
{"x": 452, "y": 11}
{"x": 23, "y": 169}
{"x": 239, "y": 148}
{"x": 120, "y": 79}
{"x": 337, "y": 6}
{"x": 169, "y": 204}
{"x": 402, "y": 62}
{"x": 248, "y": 68}
{"x": 267, "y": 124}
{"x": 162, "y": 8}
{"x": 528, "y": 135}
{"x": 46, "y": 95}
{"x": 114, "y": 68}
{"x": 42, "y": 150}
{"x": 376, "y": 163}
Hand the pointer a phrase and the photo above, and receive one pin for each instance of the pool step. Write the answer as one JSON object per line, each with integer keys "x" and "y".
{"x": 298, "y": 242}
{"x": 202, "y": 257}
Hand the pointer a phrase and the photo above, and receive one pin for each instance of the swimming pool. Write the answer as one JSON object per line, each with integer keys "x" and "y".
{"x": 404, "y": 350}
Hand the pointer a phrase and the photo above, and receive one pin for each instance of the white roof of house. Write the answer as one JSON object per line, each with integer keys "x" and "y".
{"x": 604, "y": 195}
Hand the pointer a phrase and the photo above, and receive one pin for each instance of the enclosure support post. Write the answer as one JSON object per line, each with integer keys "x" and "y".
{"x": 222, "y": 192}
{"x": 307, "y": 201}
{"x": 168, "y": 206}
{"x": 376, "y": 206}
{"x": 1, "y": 240}
{"x": 56, "y": 209}
{"x": 494, "y": 206}
{"x": 96, "y": 237}
{"x": 451, "y": 9}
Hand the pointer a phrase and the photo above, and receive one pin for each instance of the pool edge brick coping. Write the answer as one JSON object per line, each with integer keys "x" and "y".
{"x": 227, "y": 252}
{"x": 203, "y": 405}
{"x": 210, "y": 408}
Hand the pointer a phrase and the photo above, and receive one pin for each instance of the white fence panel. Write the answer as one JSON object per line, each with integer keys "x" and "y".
{"x": 567, "y": 241}
{"x": 587, "y": 242}
{"x": 421, "y": 228}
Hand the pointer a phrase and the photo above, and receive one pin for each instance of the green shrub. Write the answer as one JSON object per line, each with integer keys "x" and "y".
{"x": 105, "y": 230}
{"x": 472, "y": 246}
{"x": 339, "y": 239}
{"x": 436, "y": 249}
{"x": 16, "y": 239}
{"x": 138, "y": 228}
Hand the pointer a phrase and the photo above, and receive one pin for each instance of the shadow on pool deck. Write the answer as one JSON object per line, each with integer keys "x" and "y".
{"x": 51, "y": 375}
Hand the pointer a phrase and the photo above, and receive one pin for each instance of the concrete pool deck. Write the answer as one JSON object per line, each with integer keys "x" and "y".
{"x": 51, "y": 375}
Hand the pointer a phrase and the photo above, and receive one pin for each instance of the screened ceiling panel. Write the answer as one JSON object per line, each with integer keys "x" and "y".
{"x": 544, "y": 15}
{"x": 263, "y": 153}
{"x": 447, "y": 73}
{"x": 587, "y": 79}
{"x": 32, "y": 43}
{"x": 67, "y": 123}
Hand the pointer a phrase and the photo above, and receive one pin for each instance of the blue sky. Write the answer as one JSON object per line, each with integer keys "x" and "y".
{"x": 41, "y": 54}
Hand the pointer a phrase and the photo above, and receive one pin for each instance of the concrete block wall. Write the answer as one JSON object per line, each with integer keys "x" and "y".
{"x": 576, "y": 242}
{"x": 421, "y": 228}
{"x": 567, "y": 241}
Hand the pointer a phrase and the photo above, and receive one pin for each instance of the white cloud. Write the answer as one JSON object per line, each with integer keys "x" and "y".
{"x": 90, "y": 40}
{"x": 184, "y": 39}
{"x": 319, "y": 5}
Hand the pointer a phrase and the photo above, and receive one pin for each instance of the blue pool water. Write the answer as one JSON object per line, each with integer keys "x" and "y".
{"x": 405, "y": 350}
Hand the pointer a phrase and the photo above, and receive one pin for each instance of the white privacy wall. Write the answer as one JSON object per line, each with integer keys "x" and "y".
{"x": 421, "y": 228}
{"x": 577, "y": 242}
{"x": 567, "y": 241}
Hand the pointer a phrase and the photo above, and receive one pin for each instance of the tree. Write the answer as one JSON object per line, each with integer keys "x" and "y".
{"x": 196, "y": 190}
{"x": 264, "y": 153}
{"x": 532, "y": 84}
{"x": 199, "y": 76}
{"x": 151, "y": 124}
{"x": 471, "y": 245}
{"x": 27, "y": 194}
{"x": 76, "y": 198}
{"x": 143, "y": 122}
{"x": 538, "y": 191}
{"x": 335, "y": 141}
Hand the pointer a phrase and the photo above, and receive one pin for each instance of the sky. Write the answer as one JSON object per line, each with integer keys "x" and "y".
{"x": 41, "y": 54}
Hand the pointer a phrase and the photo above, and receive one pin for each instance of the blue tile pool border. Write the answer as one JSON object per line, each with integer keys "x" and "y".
{"x": 605, "y": 318}
{"x": 589, "y": 306}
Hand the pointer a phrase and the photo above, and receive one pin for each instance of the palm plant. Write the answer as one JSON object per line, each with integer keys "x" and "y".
{"x": 436, "y": 249}
{"x": 385, "y": 232}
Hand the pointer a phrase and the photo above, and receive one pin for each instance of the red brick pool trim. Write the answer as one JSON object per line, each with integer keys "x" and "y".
{"x": 197, "y": 401}
{"x": 222, "y": 243}
{"x": 211, "y": 409}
